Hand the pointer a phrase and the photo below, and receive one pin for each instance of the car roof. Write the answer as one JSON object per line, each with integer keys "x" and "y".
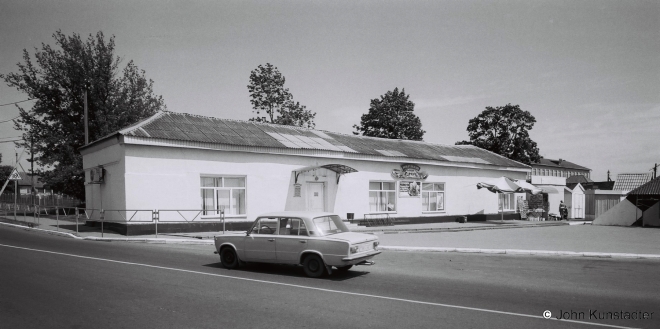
{"x": 299, "y": 214}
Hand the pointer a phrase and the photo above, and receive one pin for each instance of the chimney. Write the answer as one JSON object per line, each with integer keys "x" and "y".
{"x": 560, "y": 161}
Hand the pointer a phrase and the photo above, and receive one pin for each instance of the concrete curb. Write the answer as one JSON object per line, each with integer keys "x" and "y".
{"x": 523, "y": 252}
{"x": 460, "y": 229}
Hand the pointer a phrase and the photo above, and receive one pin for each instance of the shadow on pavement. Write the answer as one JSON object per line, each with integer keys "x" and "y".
{"x": 290, "y": 270}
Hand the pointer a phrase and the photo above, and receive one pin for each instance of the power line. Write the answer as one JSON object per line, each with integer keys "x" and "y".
{"x": 27, "y": 100}
{"x": 16, "y": 140}
{"x": 11, "y": 119}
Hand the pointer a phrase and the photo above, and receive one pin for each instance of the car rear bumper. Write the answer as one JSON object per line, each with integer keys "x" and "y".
{"x": 350, "y": 260}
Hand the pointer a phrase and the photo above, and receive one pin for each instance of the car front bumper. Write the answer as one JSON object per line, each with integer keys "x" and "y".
{"x": 354, "y": 259}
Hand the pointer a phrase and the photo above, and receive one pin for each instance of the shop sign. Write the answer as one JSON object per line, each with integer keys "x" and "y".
{"x": 409, "y": 189}
{"x": 409, "y": 171}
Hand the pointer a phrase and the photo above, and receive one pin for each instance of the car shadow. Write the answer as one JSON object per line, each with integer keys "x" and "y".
{"x": 290, "y": 270}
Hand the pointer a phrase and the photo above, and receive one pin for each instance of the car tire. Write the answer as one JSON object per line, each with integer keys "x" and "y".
{"x": 228, "y": 258}
{"x": 343, "y": 269}
{"x": 314, "y": 266}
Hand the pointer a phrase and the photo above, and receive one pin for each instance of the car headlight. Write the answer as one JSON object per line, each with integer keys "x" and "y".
{"x": 376, "y": 243}
{"x": 353, "y": 249}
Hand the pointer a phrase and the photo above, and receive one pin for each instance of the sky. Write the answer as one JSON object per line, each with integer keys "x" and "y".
{"x": 588, "y": 71}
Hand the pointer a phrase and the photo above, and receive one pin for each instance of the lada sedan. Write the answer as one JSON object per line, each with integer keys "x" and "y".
{"x": 318, "y": 241}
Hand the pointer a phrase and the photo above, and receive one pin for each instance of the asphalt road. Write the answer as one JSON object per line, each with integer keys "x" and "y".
{"x": 54, "y": 282}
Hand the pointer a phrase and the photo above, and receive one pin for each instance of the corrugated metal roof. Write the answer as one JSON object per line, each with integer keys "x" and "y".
{"x": 650, "y": 188}
{"x": 189, "y": 127}
{"x": 559, "y": 164}
{"x": 628, "y": 182}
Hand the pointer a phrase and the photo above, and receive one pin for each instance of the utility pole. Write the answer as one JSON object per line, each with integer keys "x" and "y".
{"x": 15, "y": 186}
{"x": 608, "y": 176}
{"x": 32, "y": 168}
{"x": 86, "y": 129}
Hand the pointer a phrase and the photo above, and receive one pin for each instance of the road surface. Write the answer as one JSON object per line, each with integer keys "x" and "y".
{"x": 48, "y": 281}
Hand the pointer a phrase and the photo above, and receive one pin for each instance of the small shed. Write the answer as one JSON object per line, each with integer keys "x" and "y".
{"x": 575, "y": 200}
{"x": 647, "y": 199}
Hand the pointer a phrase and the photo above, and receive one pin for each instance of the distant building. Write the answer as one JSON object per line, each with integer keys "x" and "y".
{"x": 603, "y": 196}
{"x": 551, "y": 176}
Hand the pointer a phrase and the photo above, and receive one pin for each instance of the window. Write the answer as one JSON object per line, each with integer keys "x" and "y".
{"x": 223, "y": 192}
{"x": 433, "y": 196}
{"x": 327, "y": 225}
{"x": 382, "y": 196}
{"x": 292, "y": 226}
{"x": 508, "y": 201}
{"x": 265, "y": 226}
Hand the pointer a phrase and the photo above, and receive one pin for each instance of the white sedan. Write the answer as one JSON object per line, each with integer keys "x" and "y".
{"x": 317, "y": 240}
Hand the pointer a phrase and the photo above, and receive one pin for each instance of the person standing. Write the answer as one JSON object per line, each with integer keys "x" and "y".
{"x": 563, "y": 210}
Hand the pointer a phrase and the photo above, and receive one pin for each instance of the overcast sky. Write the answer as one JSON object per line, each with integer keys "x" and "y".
{"x": 589, "y": 71}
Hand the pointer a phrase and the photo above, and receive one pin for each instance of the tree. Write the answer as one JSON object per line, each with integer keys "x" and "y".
{"x": 504, "y": 130}
{"x": 58, "y": 80}
{"x": 392, "y": 117}
{"x": 268, "y": 95}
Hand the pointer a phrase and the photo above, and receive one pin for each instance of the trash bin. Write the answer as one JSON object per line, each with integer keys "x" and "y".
{"x": 350, "y": 216}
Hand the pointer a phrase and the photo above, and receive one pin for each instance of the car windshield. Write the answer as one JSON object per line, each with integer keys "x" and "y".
{"x": 327, "y": 225}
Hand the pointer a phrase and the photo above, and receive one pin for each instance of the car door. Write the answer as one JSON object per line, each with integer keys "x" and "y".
{"x": 260, "y": 243}
{"x": 291, "y": 241}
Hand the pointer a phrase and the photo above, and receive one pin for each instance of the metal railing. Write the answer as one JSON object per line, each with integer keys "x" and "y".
{"x": 102, "y": 216}
{"x": 378, "y": 220}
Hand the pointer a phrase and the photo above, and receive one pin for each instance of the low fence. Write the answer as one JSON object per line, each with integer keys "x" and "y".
{"x": 44, "y": 216}
{"x": 42, "y": 200}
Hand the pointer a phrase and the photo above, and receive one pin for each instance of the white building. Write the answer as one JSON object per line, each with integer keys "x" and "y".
{"x": 175, "y": 161}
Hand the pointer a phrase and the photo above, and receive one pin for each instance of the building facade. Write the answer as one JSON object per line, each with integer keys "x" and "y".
{"x": 176, "y": 162}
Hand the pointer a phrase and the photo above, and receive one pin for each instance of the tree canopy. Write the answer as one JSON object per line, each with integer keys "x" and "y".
{"x": 392, "y": 117}
{"x": 504, "y": 130}
{"x": 268, "y": 96}
{"x": 58, "y": 79}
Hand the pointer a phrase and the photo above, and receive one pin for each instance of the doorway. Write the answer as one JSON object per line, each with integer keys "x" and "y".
{"x": 315, "y": 197}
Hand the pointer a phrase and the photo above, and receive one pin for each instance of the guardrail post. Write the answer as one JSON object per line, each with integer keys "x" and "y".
{"x": 102, "y": 218}
{"x": 223, "y": 220}
{"x": 57, "y": 217}
{"x": 155, "y": 214}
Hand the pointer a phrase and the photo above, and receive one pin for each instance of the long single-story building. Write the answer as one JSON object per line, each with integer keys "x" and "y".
{"x": 191, "y": 167}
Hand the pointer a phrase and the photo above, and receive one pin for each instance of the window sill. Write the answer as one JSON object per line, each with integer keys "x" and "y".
{"x": 434, "y": 212}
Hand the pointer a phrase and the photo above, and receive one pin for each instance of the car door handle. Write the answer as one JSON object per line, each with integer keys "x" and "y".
{"x": 303, "y": 241}
{"x": 271, "y": 240}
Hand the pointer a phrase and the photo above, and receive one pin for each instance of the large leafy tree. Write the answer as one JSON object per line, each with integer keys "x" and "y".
{"x": 504, "y": 130}
{"x": 273, "y": 103}
{"x": 58, "y": 78}
{"x": 392, "y": 117}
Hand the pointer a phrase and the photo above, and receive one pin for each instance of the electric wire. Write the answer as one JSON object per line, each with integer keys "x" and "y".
{"x": 31, "y": 99}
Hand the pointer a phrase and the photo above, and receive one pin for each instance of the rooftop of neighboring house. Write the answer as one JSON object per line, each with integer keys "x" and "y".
{"x": 578, "y": 179}
{"x": 629, "y": 182}
{"x": 26, "y": 180}
{"x": 650, "y": 188}
{"x": 607, "y": 185}
{"x": 560, "y": 163}
{"x": 173, "y": 127}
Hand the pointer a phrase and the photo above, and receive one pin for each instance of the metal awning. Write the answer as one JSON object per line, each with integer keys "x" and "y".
{"x": 339, "y": 169}
{"x": 548, "y": 190}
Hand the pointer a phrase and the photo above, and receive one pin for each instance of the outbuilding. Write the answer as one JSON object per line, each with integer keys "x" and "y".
{"x": 195, "y": 169}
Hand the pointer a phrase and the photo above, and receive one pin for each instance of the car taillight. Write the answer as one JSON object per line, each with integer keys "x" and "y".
{"x": 354, "y": 249}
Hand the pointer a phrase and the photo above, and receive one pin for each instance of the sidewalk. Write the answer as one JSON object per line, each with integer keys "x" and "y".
{"x": 493, "y": 237}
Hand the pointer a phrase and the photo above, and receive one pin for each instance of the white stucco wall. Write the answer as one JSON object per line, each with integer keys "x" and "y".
{"x": 156, "y": 177}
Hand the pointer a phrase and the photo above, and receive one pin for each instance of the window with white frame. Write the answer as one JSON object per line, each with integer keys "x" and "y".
{"x": 382, "y": 196}
{"x": 223, "y": 192}
{"x": 508, "y": 202}
{"x": 433, "y": 196}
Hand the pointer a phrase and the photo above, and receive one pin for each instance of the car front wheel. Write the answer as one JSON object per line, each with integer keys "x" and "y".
{"x": 314, "y": 266}
{"x": 228, "y": 258}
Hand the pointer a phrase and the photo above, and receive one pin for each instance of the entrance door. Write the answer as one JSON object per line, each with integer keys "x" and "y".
{"x": 315, "y": 197}
{"x": 578, "y": 208}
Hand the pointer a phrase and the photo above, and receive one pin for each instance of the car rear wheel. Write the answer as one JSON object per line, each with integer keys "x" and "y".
{"x": 314, "y": 266}
{"x": 228, "y": 258}
{"x": 344, "y": 268}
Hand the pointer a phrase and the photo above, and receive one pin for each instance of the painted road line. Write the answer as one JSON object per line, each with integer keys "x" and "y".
{"x": 541, "y": 317}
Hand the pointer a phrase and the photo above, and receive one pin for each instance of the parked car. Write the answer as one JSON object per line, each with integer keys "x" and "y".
{"x": 316, "y": 240}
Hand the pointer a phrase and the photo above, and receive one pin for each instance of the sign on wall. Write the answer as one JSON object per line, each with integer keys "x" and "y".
{"x": 409, "y": 171}
{"x": 409, "y": 189}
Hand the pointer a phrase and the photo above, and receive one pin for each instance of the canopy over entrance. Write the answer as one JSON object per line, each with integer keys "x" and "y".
{"x": 339, "y": 169}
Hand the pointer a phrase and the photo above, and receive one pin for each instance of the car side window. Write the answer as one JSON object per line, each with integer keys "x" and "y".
{"x": 298, "y": 227}
{"x": 265, "y": 226}
{"x": 285, "y": 226}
